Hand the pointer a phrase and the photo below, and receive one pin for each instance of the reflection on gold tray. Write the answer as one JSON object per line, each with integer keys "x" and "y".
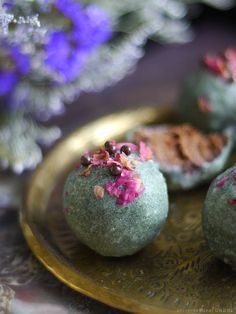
{"x": 174, "y": 273}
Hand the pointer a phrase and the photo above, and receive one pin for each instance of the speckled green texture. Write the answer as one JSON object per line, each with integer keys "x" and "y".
{"x": 111, "y": 229}
{"x": 219, "y": 217}
{"x": 177, "y": 179}
{"x": 221, "y": 95}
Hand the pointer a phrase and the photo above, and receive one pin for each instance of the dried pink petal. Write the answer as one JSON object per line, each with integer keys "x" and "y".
{"x": 125, "y": 188}
{"x": 220, "y": 183}
{"x": 98, "y": 191}
{"x": 145, "y": 153}
{"x": 230, "y": 55}
{"x": 204, "y": 105}
{"x": 112, "y": 188}
{"x": 232, "y": 201}
{"x": 124, "y": 161}
{"x": 100, "y": 158}
{"x": 86, "y": 172}
{"x": 216, "y": 64}
{"x": 222, "y": 65}
{"x": 127, "y": 185}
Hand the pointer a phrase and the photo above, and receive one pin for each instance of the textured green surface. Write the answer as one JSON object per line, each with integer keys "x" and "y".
{"x": 111, "y": 229}
{"x": 221, "y": 95}
{"x": 219, "y": 219}
{"x": 178, "y": 179}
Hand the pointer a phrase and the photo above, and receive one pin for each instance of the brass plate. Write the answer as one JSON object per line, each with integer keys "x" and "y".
{"x": 174, "y": 273}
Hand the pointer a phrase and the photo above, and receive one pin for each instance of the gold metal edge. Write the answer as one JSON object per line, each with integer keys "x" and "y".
{"x": 73, "y": 279}
{"x": 61, "y": 271}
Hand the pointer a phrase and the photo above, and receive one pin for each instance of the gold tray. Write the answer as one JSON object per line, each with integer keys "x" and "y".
{"x": 174, "y": 273}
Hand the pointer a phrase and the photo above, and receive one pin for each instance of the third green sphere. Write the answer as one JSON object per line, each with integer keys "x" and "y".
{"x": 208, "y": 97}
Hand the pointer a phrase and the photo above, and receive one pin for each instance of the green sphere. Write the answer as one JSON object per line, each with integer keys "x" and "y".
{"x": 106, "y": 227}
{"x": 219, "y": 217}
{"x": 180, "y": 176}
{"x": 219, "y": 95}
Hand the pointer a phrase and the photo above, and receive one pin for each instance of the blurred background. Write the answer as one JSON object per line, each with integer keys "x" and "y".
{"x": 161, "y": 72}
{"x": 64, "y": 62}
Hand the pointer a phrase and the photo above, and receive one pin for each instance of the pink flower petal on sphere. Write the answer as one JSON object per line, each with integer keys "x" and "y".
{"x": 145, "y": 152}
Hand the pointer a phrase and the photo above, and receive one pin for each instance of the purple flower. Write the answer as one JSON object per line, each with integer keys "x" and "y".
{"x": 67, "y": 51}
{"x": 7, "y": 82}
{"x": 70, "y": 9}
{"x": 13, "y": 65}
{"x": 8, "y": 5}
{"x": 63, "y": 57}
{"x": 91, "y": 25}
{"x": 93, "y": 28}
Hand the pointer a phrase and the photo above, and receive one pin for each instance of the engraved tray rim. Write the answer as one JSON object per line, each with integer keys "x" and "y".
{"x": 92, "y": 134}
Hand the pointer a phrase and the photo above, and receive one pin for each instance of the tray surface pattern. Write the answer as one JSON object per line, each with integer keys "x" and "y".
{"x": 174, "y": 273}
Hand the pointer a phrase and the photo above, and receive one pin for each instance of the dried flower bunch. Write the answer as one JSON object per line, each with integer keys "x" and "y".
{"x": 52, "y": 50}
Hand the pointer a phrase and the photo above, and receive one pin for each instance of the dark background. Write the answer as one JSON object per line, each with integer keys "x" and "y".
{"x": 159, "y": 74}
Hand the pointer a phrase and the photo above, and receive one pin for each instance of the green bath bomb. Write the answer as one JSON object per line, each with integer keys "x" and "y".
{"x": 208, "y": 96}
{"x": 208, "y": 102}
{"x": 219, "y": 217}
{"x": 114, "y": 212}
{"x": 186, "y": 156}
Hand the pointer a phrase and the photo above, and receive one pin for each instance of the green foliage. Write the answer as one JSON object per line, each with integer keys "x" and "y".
{"x": 19, "y": 141}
